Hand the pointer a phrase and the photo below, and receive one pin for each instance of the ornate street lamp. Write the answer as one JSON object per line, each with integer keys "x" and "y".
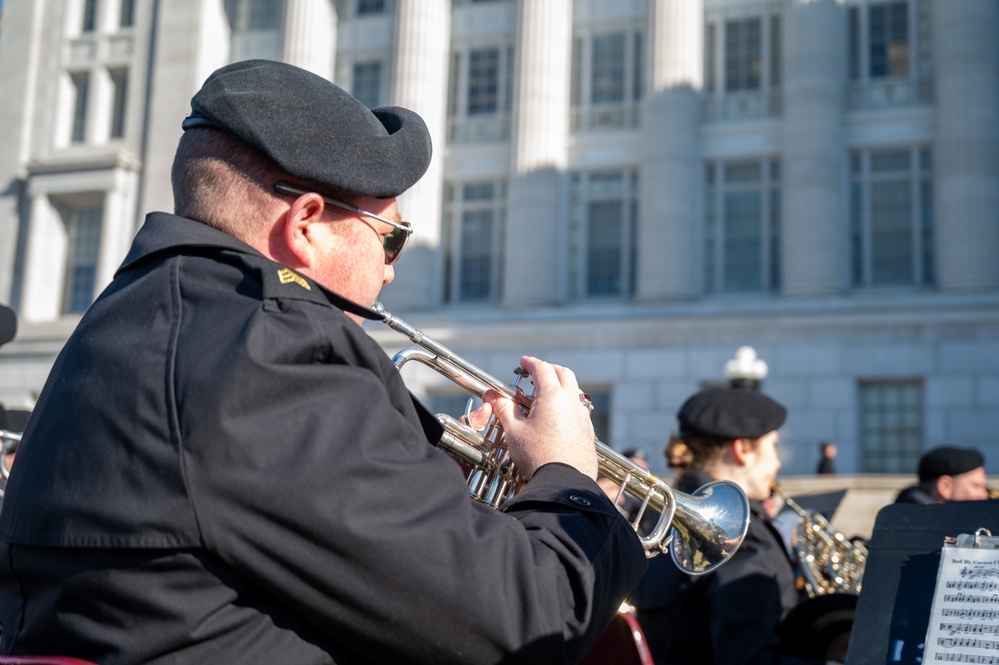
{"x": 746, "y": 369}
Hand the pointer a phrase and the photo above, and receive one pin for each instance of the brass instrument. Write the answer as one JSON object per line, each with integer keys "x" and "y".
{"x": 701, "y": 530}
{"x": 8, "y": 444}
{"x": 828, "y": 561}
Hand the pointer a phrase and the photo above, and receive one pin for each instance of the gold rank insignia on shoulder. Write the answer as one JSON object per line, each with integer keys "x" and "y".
{"x": 288, "y": 275}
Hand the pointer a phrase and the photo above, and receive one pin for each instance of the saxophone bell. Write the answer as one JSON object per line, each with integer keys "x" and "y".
{"x": 828, "y": 561}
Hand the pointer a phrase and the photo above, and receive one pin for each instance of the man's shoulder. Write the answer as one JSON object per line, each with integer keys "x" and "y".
{"x": 914, "y": 494}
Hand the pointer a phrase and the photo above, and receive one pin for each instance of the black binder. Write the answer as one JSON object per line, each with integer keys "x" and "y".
{"x": 893, "y": 610}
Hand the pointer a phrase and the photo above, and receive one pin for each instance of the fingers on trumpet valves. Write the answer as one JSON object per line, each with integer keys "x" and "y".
{"x": 477, "y": 418}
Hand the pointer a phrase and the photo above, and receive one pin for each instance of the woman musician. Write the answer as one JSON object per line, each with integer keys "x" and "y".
{"x": 730, "y": 616}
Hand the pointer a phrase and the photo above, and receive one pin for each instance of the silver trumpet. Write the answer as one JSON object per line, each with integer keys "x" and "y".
{"x": 8, "y": 444}
{"x": 701, "y": 530}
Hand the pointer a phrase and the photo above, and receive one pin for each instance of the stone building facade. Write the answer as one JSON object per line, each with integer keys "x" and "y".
{"x": 633, "y": 188}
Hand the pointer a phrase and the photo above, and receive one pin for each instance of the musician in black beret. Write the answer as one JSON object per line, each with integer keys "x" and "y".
{"x": 223, "y": 467}
{"x": 948, "y": 473}
{"x": 730, "y": 616}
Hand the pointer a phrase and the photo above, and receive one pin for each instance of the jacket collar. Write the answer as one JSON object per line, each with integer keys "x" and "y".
{"x": 163, "y": 233}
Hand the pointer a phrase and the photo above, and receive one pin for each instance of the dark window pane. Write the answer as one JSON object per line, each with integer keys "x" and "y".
{"x": 483, "y": 81}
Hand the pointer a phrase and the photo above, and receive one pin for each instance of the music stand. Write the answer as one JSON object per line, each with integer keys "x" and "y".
{"x": 823, "y": 503}
{"x": 893, "y": 610}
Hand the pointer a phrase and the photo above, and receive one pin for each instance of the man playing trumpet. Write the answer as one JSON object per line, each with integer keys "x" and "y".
{"x": 223, "y": 466}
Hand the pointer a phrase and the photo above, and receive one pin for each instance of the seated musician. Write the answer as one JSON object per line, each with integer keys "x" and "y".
{"x": 730, "y": 616}
{"x": 948, "y": 473}
{"x": 223, "y": 467}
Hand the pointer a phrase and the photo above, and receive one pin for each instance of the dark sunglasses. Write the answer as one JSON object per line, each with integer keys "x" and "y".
{"x": 393, "y": 243}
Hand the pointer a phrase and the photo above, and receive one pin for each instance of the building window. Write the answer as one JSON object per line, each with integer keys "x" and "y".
{"x": 81, "y": 94}
{"x": 83, "y": 231}
{"x": 474, "y": 221}
{"x": 742, "y": 226}
{"x": 742, "y": 66}
{"x": 259, "y": 14}
{"x": 890, "y": 62}
{"x": 119, "y": 83}
{"x": 601, "y": 416}
{"x": 256, "y": 29}
{"x": 891, "y": 432}
{"x": 480, "y": 94}
{"x": 89, "y": 15}
{"x": 367, "y": 82}
{"x": 370, "y": 7}
{"x": 743, "y": 55}
{"x": 483, "y": 81}
{"x": 126, "y": 17}
{"x": 604, "y": 230}
{"x": 891, "y": 210}
{"x": 607, "y": 80}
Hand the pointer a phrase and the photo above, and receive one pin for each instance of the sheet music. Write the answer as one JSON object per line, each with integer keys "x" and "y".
{"x": 964, "y": 621}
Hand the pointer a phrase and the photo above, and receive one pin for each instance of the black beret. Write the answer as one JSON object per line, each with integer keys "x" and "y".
{"x": 730, "y": 413}
{"x": 948, "y": 461}
{"x": 313, "y": 129}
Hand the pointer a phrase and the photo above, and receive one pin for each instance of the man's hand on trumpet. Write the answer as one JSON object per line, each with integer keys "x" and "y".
{"x": 557, "y": 427}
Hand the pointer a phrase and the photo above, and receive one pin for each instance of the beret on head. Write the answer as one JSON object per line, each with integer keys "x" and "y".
{"x": 730, "y": 413}
{"x": 313, "y": 129}
{"x": 948, "y": 461}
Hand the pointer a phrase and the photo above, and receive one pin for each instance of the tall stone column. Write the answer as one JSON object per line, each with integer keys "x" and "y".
{"x": 116, "y": 226}
{"x": 671, "y": 171}
{"x": 814, "y": 212}
{"x": 43, "y": 276}
{"x": 20, "y": 61}
{"x": 422, "y": 36}
{"x": 534, "y": 259}
{"x": 310, "y": 31}
{"x": 192, "y": 41}
{"x": 966, "y": 159}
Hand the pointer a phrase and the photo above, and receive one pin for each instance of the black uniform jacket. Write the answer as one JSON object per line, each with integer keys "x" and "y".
{"x": 727, "y": 617}
{"x": 224, "y": 468}
{"x": 915, "y": 494}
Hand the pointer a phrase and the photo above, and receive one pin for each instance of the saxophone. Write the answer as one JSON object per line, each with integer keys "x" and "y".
{"x": 828, "y": 561}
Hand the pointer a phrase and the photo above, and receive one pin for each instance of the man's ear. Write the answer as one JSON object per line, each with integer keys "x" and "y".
{"x": 742, "y": 449}
{"x": 945, "y": 487}
{"x": 299, "y": 228}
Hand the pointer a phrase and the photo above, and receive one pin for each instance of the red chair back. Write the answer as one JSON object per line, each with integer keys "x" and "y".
{"x": 623, "y": 643}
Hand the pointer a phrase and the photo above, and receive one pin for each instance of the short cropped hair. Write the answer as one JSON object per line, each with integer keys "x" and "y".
{"x": 220, "y": 181}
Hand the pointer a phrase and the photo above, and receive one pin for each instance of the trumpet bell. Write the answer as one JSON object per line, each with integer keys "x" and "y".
{"x": 708, "y": 526}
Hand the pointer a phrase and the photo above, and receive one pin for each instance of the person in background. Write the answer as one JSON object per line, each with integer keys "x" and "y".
{"x": 730, "y": 616}
{"x": 10, "y": 425}
{"x": 224, "y": 467}
{"x": 827, "y": 466}
{"x": 948, "y": 473}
